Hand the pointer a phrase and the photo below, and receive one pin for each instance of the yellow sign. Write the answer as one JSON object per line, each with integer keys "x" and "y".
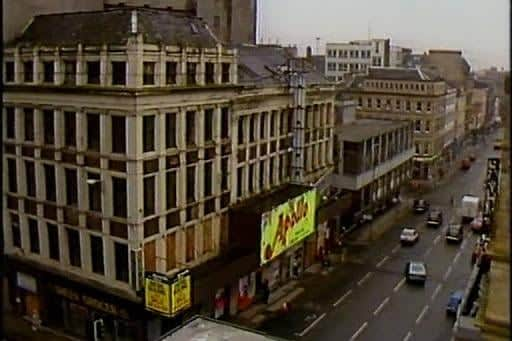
{"x": 158, "y": 296}
{"x": 287, "y": 225}
{"x": 180, "y": 293}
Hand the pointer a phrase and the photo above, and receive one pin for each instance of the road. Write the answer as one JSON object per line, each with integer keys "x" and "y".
{"x": 368, "y": 298}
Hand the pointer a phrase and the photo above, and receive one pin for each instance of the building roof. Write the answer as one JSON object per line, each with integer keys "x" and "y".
{"x": 202, "y": 328}
{"x": 362, "y": 129}
{"x": 264, "y": 64}
{"x": 114, "y": 26}
{"x": 399, "y": 73}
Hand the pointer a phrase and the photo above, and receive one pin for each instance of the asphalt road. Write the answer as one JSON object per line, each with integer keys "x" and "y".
{"x": 368, "y": 299}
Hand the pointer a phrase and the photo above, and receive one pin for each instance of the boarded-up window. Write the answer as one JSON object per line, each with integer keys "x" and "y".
{"x": 207, "y": 236}
{"x": 190, "y": 253}
{"x": 171, "y": 251}
{"x": 150, "y": 256}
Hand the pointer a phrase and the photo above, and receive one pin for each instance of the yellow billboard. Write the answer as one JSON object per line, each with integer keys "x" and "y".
{"x": 286, "y": 225}
{"x": 157, "y": 292}
{"x": 181, "y": 293}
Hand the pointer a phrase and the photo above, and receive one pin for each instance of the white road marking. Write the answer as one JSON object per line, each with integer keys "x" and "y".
{"x": 381, "y": 306}
{"x": 315, "y": 322}
{"x": 422, "y": 314}
{"x": 447, "y": 273}
{"x": 408, "y": 336}
{"x": 359, "y": 331}
{"x": 436, "y": 240}
{"x": 463, "y": 245}
{"x": 379, "y": 264}
{"x": 396, "y": 248}
{"x": 428, "y": 252}
{"x": 445, "y": 229}
{"x": 399, "y": 285}
{"x": 342, "y": 298}
{"x": 456, "y": 258}
{"x": 438, "y": 289}
{"x": 362, "y": 280}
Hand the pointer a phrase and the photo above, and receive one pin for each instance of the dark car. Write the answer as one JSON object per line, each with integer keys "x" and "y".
{"x": 420, "y": 205}
{"x": 454, "y": 233}
{"x": 453, "y": 302}
{"x": 416, "y": 272}
{"x": 435, "y": 218}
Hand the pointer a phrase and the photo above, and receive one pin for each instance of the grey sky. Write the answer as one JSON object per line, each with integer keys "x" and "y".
{"x": 480, "y": 28}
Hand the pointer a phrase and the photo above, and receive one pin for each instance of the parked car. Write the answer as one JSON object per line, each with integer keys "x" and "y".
{"x": 453, "y": 302}
{"x": 409, "y": 236}
{"x": 435, "y": 218}
{"x": 416, "y": 272}
{"x": 477, "y": 224}
{"x": 420, "y": 205}
{"x": 454, "y": 233}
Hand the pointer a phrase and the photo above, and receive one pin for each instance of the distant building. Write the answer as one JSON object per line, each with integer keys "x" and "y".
{"x": 355, "y": 57}
{"x": 398, "y": 56}
{"x": 450, "y": 65}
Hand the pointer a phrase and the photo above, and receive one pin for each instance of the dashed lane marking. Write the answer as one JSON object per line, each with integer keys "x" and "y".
{"x": 438, "y": 289}
{"x": 447, "y": 273}
{"x": 362, "y": 280}
{"x": 379, "y": 264}
{"x": 396, "y": 248}
{"x": 456, "y": 258}
{"x": 427, "y": 252}
{"x": 359, "y": 331}
{"x": 422, "y": 314}
{"x": 381, "y": 306}
{"x": 436, "y": 240}
{"x": 399, "y": 285}
{"x": 408, "y": 336}
{"x": 312, "y": 325}
{"x": 342, "y": 298}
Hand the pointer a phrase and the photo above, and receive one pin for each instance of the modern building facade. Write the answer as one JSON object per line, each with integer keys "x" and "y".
{"x": 355, "y": 57}
{"x": 398, "y": 56}
{"x": 412, "y": 95}
{"x": 124, "y": 152}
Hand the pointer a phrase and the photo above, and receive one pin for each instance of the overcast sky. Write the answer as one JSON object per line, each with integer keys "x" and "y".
{"x": 480, "y": 28}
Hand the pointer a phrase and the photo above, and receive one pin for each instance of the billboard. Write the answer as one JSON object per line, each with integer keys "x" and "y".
{"x": 157, "y": 294}
{"x": 181, "y": 290}
{"x": 287, "y": 225}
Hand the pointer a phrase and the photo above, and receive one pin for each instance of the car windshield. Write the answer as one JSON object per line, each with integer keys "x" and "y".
{"x": 454, "y": 229}
{"x": 408, "y": 232}
{"x": 434, "y": 214}
{"x": 416, "y": 267}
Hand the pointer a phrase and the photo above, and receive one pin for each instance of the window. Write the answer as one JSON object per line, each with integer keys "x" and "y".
{"x": 28, "y": 71}
{"x": 119, "y": 197}
{"x": 171, "y": 190}
{"x": 239, "y": 181}
{"x": 148, "y": 73}
{"x": 397, "y": 104}
{"x": 224, "y": 123}
{"x": 53, "y": 241}
{"x": 369, "y": 102}
{"x": 118, "y": 134}
{"x": 263, "y": 119}
{"x": 418, "y": 106}
{"x": 118, "y": 73}
{"x": 360, "y": 102}
{"x": 429, "y": 106}
{"x": 417, "y": 148}
{"x": 170, "y": 130}
{"x": 74, "y": 247}
{"x": 10, "y": 123}
{"x": 271, "y": 171}
{"x": 225, "y": 72}
{"x": 71, "y": 186}
{"x": 149, "y": 196}
{"x": 30, "y": 175}
{"x": 97, "y": 255}
{"x": 408, "y": 105}
{"x": 93, "y": 132}
{"x": 209, "y": 73}
{"x": 190, "y": 127}
{"x": 49, "y": 175}
{"x": 70, "y": 128}
{"x": 273, "y": 118}
{"x": 224, "y": 169}
{"x": 171, "y": 251}
{"x": 29, "y": 124}
{"x": 208, "y": 125}
{"x": 70, "y": 72}
{"x": 208, "y": 172}
{"x": 48, "y": 72}
{"x": 148, "y": 131}
{"x": 251, "y": 178}
{"x": 94, "y": 192}
{"x": 9, "y": 71}
{"x": 170, "y": 72}
{"x": 191, "y": 184}
{"x": 16, "y": 233}
{"x": 427, "y": 126}
{"x": 207, "y": 236}
{"x": 48, "y": 126}
{"x": 191, "y": 73}
{"x": 417, "y": 125}
{"x": 13, "y": 175}
{"x": 190, "y": 246}
{"x": 33, "y": 233}
{"x": 378, "y": 103}
{"x": 121, "y": 261}
{"x": 340, "y": 66}
{"x": 252, "y": 128}
{"x": 262, "y": 175}
{"x": 93, "y": 72}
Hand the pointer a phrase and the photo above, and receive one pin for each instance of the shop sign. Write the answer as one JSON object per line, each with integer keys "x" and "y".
{"x": 91, "y": 302}
{"x": 26, "y": 282}
{"x": 287, "y": 225}
{"x": 157, "y": 294}
{"x": 181, "y": 290}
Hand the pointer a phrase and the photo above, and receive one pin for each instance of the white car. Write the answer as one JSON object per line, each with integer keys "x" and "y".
{"x": 409, "y": 236}
{"x": 416, "y": 272}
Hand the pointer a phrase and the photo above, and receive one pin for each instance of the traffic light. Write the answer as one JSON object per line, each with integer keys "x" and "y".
{"x": 99, "y": 329}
